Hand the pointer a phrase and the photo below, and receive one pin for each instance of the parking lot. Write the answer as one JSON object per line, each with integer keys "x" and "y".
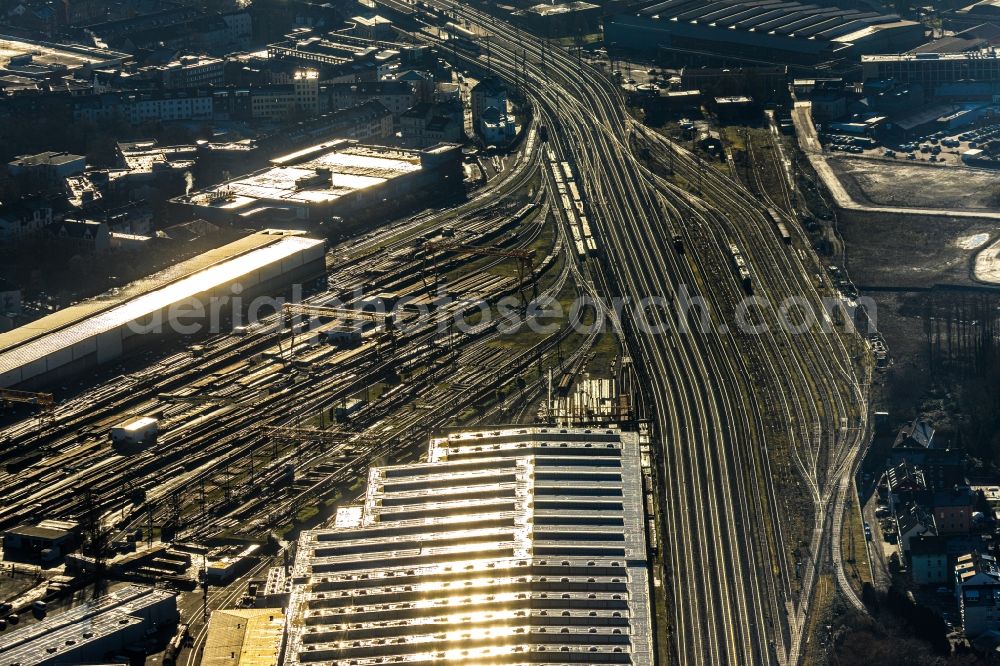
{"x": 943, "y": 148}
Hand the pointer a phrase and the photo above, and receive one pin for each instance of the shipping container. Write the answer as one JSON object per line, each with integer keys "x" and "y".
{"x": 141, "y": 430}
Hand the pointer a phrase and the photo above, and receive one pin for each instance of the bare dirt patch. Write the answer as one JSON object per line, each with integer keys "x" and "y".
{"x": 880, "y": 182}
{"x": 987, "y": 267}
{"x": 889, "y": 250}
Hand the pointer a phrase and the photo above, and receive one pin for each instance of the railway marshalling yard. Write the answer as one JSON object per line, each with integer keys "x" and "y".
{"x": 756, "y": 436}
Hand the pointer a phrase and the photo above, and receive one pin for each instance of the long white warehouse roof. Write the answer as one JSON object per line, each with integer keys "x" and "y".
{"x": 151, "y": 302}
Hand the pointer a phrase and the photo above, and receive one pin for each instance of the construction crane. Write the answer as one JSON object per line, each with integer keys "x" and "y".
{"x": 44, "y": 401}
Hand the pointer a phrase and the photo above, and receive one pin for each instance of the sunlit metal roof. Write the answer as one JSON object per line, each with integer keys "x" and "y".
{"x": 55, "y": 337}
{"x": 244, "y": 637}
{"x": 317, "y": 175}
{"x": 512, "y": 546}
{"x": 66, "y": 637}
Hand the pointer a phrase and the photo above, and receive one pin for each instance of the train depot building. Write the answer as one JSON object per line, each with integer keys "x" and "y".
{"x": 518, "y": 545}
{"x": 101, "y": 330}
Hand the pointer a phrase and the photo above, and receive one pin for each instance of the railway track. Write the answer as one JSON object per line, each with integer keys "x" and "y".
{"x": 729, "y": 605}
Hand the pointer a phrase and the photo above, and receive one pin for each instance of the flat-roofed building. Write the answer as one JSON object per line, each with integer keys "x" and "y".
{"x": 335, "y": 178}
{"x": 101, "y": 330}
{"x": 933, "y": 70}
{"x": 244, "y": 637}
{"x": 45, "y": 541}
{"x": 21, "y": 54}
{"x": 86, "y": 633}
{"x": 520, "y": 545}
{"x": 49, "y": 165}
{"x": 562, "y": 19}
{"x": 760, "y": 31}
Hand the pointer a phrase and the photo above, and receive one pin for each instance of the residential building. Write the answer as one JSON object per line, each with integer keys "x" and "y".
{"x": 394, "y": 95}
{"x": 916, "y": 435}
{"x": 90, "y": 235}
{"x": 911, "y": 523}
{"x": 366, "y": 122}
{"x": 916, "y": 443}
{"x": 421, "y": 82}
{"x": 448, "y": 93}
{"x": 28, "y": 216}
{"x": 485, "y": 94}
{"x": 496, "y": 127}
{"x": 977, "y": 588}
{"x": 239, "y": 28}
{"x": 426, "y": 124}
{"x": 188, "y": 72}
{"x": 168, "y": 106}
{"x": 905, "y": 484}
{"x": 282, "y": 101}
{"x": 929, "y": 560}
{"x": 953, "y": 510}
{"x": 187, "y": 28}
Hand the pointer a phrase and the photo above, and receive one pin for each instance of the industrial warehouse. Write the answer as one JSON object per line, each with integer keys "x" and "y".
{"x": 87, "y": 633}
{"x": 521, "y": 545}
{"x": 766, "y": 31}
{"x": 101, "y": 330}
{"x": 335, "y": 178}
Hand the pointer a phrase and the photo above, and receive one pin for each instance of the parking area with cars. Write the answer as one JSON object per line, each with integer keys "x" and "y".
{"x": 942, "y": 147}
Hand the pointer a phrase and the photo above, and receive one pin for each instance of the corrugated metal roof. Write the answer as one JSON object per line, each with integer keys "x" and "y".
{"x": 244, "y": 637}
{"x": 62, "y": 635}
{"x": 510, "y": 546}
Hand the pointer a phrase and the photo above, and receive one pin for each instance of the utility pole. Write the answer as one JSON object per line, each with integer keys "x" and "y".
{"x": 252, "y": 476}
{"x": 97, "y": 537}
{"x": 204, "y": 587}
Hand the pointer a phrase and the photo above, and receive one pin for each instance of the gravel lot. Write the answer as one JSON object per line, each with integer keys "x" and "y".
{"x": 886, "y": 182}
{"x": 887, "y": 250}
